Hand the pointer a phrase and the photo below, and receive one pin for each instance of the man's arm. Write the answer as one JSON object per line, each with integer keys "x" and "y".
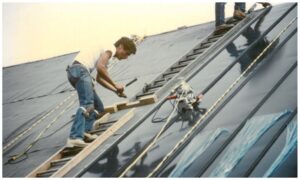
{"x": 101, "y": 67}
{"x": 105, "y": 84}
{"x": 109, "y": 86}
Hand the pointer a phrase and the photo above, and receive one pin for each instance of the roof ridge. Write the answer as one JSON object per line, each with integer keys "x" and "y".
{"x": 46, "y": 59}
{"x": 179, "y": 28}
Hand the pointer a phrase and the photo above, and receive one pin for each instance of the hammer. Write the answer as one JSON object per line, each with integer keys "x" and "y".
{"x": 126, "y": 85}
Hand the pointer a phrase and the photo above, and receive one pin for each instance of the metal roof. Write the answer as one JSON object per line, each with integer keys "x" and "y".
{"x": 33, "y": 91}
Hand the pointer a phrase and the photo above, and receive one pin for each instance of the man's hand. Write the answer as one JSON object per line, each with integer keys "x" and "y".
{"x": 120, "y": 88}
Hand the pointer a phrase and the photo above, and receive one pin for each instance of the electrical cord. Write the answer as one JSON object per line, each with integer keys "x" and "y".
{"x": 190, "y": 132}
{"x": 57, "y": 130}
{"x": 14, "y": 158}
{"x": 20, "y": 135}
{"x": 150, "y": 145}
{"x": 161, "y": 119}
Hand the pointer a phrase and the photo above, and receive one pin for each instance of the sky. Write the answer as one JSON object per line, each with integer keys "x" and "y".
{"x": 40, "y": 30}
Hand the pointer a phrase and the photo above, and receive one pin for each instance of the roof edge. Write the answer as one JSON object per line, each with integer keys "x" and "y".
{"x": 35, "y": 61}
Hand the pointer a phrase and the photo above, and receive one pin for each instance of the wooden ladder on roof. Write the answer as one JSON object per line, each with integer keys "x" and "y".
{"x": 190, "y": 58}
{"x": 65, "y": 159}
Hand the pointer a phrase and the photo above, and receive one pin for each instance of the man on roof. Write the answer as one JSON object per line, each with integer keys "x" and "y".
{"x": 239, "y": 13}
{"x": 79, "y": 75}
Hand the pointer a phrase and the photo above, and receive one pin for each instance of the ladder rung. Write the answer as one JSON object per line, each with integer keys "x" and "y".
{"x": 198, "y": 51}
{"x": 174, "y": 70}
{"x": 206, "y": 43}
{"x": 58, "y": 166}
{"x": 104, "y": 125}
{"x": 186, "y": 60}
{"x": 59, "y": 161}
{"x": 170, "y": 76}
{"x": 184, "y": 63}
{"x": 155, "y": 86}
{"x": 108, "y": 122}
{"x": 202, "y": 48}
{"x": 218, "y": 36}
{"x": 71, "y": 151}
{"x": 46, "y": 173}
{"x": 98, "y": 130}
{"x": 159, "y": 80}
{"x": 170, "y": 73}
{"x": 194, "y": 56}
{"x": 213, "y": 40}
{"x": 154, "y": 89}
{"x": 222, "y": 32}
{"x": 160, "y": 83}
{"x": 178, "y": 66}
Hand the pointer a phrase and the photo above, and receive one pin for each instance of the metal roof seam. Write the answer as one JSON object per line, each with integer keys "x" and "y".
{"x": 274, "y": 138}
{"x": 220, "y": 99}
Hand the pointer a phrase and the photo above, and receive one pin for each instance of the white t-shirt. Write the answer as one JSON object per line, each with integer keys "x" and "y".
{"x": 89, "y": 58}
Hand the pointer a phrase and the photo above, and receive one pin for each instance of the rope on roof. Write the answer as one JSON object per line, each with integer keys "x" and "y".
{"x": 189, "y": 133}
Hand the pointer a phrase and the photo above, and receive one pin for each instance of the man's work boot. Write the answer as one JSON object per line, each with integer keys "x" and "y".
{"x": 76, "y": 143}
{"x": 265, "y": 4}
{"x": 238, "y": 14}
{"x": 222, "y": 28}
{"x": 89, "y": 137}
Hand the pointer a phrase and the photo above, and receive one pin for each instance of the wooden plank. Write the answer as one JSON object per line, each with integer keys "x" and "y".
{"x": 132, "y": 104}
{"x": 103, "y": 119}
{"x": 70, "y": 151}
{"x": 46, "y": 165}
{"x": 55, "y": 162}
{"x": 150, "y": 99}
{"x": 42, "y": 173}
{"x": 122, "y": 105}
{"x": 145, "y": 100}
{"x": 111, "y": 109}
{"x": 92, "y": 146}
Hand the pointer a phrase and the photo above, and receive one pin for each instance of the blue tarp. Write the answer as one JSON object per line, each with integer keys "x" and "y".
{"x": 198, "y": 145}
{"x": 290, "y": 145}
{"x": 247, "y": 137}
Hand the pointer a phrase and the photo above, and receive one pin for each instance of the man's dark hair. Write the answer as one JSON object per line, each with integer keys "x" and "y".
{"x": 127, "y": 43}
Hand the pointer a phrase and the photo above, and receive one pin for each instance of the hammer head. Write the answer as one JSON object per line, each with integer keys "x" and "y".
{"x": 123, "y": 95}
